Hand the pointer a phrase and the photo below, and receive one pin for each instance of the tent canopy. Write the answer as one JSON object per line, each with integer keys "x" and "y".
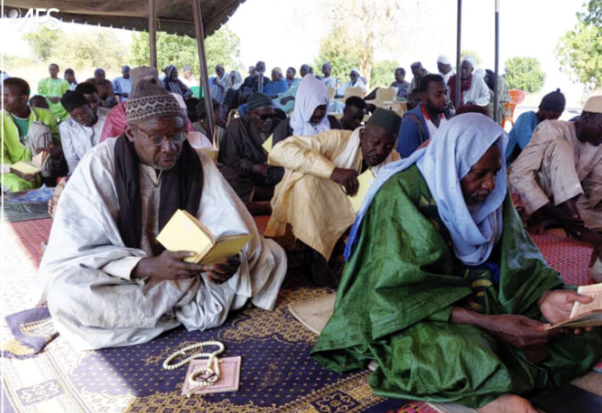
{"x": 173, "y": 16}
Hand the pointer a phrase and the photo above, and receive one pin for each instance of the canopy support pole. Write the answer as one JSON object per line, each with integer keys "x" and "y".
{"x": 199, "y": 32}
{"x": 497, "y": 62}
{"x": 152, "y": 31}
{"x": 458, "y": 55}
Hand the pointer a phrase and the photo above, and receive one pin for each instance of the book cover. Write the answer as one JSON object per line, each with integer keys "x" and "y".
{"x": 585, "y": 315}
{"x": 184, "y": 232}
{"x": 365, "y": 180}
{"x": 22, "y": 168}
{"x": 211, "y": 152}
{"x": 267, "y": 145}
{"x": 229, "y": 380}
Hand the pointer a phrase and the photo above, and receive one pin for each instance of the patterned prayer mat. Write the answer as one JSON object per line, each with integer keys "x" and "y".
{"x": 25, "y": 211}
{"x": 277, "y": 375}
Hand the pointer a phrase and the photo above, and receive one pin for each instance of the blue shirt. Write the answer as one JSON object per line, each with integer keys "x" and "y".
{"x": 273, "y": 88}
{"x": 413, "y": 132}
{"x": 122, "y": 85}
{"x": 520, "y": 135}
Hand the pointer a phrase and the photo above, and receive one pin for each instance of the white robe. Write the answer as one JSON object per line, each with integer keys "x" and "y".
{"x": 77, "y": 139}
{"x": 85, "y": 272}
{"x": 478, "y": 92}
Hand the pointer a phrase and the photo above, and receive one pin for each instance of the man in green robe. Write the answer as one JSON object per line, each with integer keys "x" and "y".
{"x": 53, "y": 88}
{"x": 446, "y": 291}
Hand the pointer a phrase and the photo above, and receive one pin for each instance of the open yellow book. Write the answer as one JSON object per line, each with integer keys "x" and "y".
{"x": 184, "y": 232}
{"x": 365, "y": 180}
{"x": 24, "y": 169}
{"x": 268, "y": 143}
{"x": 585, "y": 315}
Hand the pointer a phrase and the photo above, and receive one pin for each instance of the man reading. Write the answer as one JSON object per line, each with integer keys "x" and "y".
{"x": 106, "y": 279}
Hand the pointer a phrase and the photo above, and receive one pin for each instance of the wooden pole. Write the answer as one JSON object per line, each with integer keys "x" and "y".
{"x": 152, "y": 31}
{"x": 199, "y": 32}
{"x": 458, "y": 54}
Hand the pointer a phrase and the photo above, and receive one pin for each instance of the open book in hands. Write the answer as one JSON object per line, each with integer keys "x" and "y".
{"x": 365, "y": 180}
{"x": 25, "y": 170}
{"x": 184, "y": 232}
{"x": 585, "y": 315}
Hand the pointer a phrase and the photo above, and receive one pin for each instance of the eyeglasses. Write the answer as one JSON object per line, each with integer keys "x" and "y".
{"x": 158, "y": 140}
{"x": 268, "y": 116}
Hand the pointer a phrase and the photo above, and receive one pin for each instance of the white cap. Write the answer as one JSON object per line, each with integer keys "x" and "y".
{"x": 444, "y": 60}
{"x": 593, "y": 104}
{"x": 470, "y": 60}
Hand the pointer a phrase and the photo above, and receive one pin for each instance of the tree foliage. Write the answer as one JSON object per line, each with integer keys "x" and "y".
{"x": 383, "y": 73}
{"x": 342, "y": 54}
{"x": 580, "y": 52}
{"x": 524, "y": 73}
{"x": 42, "y": 42}
{"x": 223, "y": 47}
{"x": 96, "y": 47}
{"x": 369, "y": 25}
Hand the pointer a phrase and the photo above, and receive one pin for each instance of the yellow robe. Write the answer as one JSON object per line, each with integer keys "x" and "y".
{"x": 316, "y": 207}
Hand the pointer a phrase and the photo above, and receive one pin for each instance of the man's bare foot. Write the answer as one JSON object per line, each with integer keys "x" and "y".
{"x": 508, "y": 403}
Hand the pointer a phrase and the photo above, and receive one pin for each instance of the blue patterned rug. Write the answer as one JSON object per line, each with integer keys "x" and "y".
{"x": 277, "y": 374}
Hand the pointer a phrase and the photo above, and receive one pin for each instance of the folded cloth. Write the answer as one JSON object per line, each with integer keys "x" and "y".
{"x": 32, "y": 329}
{"x": 42, "y": 194}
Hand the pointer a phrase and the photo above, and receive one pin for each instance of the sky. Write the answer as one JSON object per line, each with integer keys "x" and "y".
{"x": 288, "y": 33}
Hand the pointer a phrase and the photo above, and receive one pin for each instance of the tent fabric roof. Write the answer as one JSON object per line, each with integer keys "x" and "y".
{"x": 173, "y": 16}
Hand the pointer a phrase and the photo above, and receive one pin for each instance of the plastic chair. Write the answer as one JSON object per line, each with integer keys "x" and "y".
{"x": 384, "y": 97}
{"x": 331, "y": 92}
{"x": 516, "y": 98}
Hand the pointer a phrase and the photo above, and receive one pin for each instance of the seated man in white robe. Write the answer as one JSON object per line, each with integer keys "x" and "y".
{"x": 321, "y": 171}
{"x": 81, "y": 131}
{"x": 106, "y": 279}
{"x": 559, "y": 176}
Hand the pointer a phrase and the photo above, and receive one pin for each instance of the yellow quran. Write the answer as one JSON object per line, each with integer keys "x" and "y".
{"x": 24, "y": 169}
{"x": 585, "y": 315}
{"x": 184, "y": 232}
{"x": 268, "y": 143}
{"x": 365, "y": 180}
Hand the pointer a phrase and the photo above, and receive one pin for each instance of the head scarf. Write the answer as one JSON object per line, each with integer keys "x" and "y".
{"x": 310, "y": 94}
{"x": 169, "y": 70}
{"x": 454, "y": 149}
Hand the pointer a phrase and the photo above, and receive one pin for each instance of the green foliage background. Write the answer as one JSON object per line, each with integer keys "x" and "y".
{"x": 579, "y": 51}
{"x": 223, "y": 47}
{"x": 524, "y": 73}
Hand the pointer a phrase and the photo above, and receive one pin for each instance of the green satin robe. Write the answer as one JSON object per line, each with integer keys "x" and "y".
{"x": 397, "y": 294}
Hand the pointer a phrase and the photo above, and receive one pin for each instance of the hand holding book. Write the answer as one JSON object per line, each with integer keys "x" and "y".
{"x": 569, "y": 309}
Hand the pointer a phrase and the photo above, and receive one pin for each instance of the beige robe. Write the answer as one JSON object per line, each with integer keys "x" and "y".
{"x": 316, "y": 207}
{"x": 555, "y": 167}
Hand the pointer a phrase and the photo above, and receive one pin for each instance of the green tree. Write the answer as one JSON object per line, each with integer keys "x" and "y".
{"x": 383, "y": 73}
{"x": 97, "y": 47}
{"x": 223, "y": 47}
{"x": 369, "y": 25}
{"x": 580, "y": 52}
{"x": 337, "y": 49}
{"x": 43, "y": 41}
{"x": 524, "y": 73}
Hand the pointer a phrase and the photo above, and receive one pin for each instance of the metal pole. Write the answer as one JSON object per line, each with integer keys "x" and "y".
{"x": 497, "y": 61}
{"x": 152, "y": 31}
{"x": 199, "y": 32}
{"x": 458, "y": 54}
